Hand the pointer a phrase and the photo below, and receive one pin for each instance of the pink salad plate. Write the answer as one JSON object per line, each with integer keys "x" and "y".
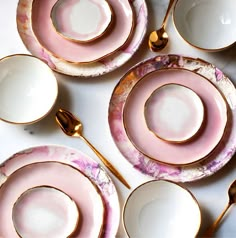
{"x": 219, "y": 155}
{"x": 83, "y": 179}
{"x": 172, "y": 153}
{"x": 36, "y": 33}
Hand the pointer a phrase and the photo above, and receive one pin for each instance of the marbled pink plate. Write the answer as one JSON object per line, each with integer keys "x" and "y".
{"x": 172, "y": 153}
{"x": 108, "y": 64}
{"x": 73, "y": 161}
{"x": 73, "y": 52}
{"x": 216, "y": 159}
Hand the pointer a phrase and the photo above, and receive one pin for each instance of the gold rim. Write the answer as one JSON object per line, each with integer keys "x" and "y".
{"x": 54, "y": 77}
{"x": 129, "y": 36}
{"x": 191, "y": 44}
{"x": 154, "y": 181}
{"x": 227, "y": 116}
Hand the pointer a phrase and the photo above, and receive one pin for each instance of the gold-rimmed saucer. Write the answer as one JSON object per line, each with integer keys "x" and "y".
{"x": 174, "y": 113}
{"x": 45, "y": 211}
{"x": 83, "y": 21}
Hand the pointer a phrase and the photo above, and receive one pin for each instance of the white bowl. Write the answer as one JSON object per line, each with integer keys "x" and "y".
{"x": 28, "y": 89}
{"x": 161, "y": 208}
{"x": 206, "y": 24}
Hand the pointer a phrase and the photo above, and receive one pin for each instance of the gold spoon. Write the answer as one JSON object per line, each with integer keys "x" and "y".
{"x": 158, "y": 39}
{"x": 232, "y": 200}
{"x": 72, "y": 126}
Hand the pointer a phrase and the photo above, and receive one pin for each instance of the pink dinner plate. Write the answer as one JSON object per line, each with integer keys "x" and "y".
{"x": 74, "y": 52}
{"x": 65, "y": 169}
{"x": 108, "y": 64}
{"x": 172, "y": 153}
{"x": 217, "y": 158}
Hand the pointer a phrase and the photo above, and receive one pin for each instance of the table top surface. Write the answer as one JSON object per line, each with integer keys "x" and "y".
{"x": 89, "y": 99}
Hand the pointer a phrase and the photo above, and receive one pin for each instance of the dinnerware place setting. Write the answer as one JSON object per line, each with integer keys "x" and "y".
{"x": 171, "y": 117}
{"x": 115, "y": 45}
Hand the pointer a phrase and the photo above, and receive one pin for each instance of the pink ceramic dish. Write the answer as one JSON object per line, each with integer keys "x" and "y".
{"x": 171, "y": 153}
{"x": 78, "y": 161}
{"x": 174, "y": 113}
{"x": 63, "y": 177}
{"x": 101, "y": 67}
{"x": 45, "y": 211}
{"x": 74, "y": 52}
{"x": 216, "y": 160}
{"x": 81, "y": 21}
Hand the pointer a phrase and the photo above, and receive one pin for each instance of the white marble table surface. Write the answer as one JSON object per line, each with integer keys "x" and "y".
{"x": 89, "y": 98}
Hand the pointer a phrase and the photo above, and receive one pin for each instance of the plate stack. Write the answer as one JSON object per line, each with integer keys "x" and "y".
{"x": 53, "y": 191}
{"x": 82, "y": 38}
{"x": 173, "y": 118}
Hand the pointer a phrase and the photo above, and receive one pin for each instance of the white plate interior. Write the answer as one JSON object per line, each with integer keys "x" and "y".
{"x": 161, "y": 209}
{"x": 174, "y": 113}
{"x": 45, "y": 212}
{"x": 207, "y": 24}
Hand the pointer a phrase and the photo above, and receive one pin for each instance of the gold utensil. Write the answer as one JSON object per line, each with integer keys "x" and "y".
{"x": 232, "y": 200}
{"x": 158, "y": 39}
{"x": 72, "y": 126}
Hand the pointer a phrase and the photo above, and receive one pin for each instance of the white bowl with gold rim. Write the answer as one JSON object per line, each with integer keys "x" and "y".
{"x": 206, "y": 24}
{"x": 161, "y": 208}
{"x": 28, "y": 89}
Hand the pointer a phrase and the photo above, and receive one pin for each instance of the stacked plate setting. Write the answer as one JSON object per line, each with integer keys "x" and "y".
{"x": 83, "y": 199}
{"x": 202, "y": 154}
{"x": 115, "y": 31}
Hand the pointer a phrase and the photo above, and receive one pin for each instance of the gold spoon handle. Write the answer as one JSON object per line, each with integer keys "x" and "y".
{"x": 171, "y": 2}
{"x": 210, "y": 231}
{"x": 107, "y": 163}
